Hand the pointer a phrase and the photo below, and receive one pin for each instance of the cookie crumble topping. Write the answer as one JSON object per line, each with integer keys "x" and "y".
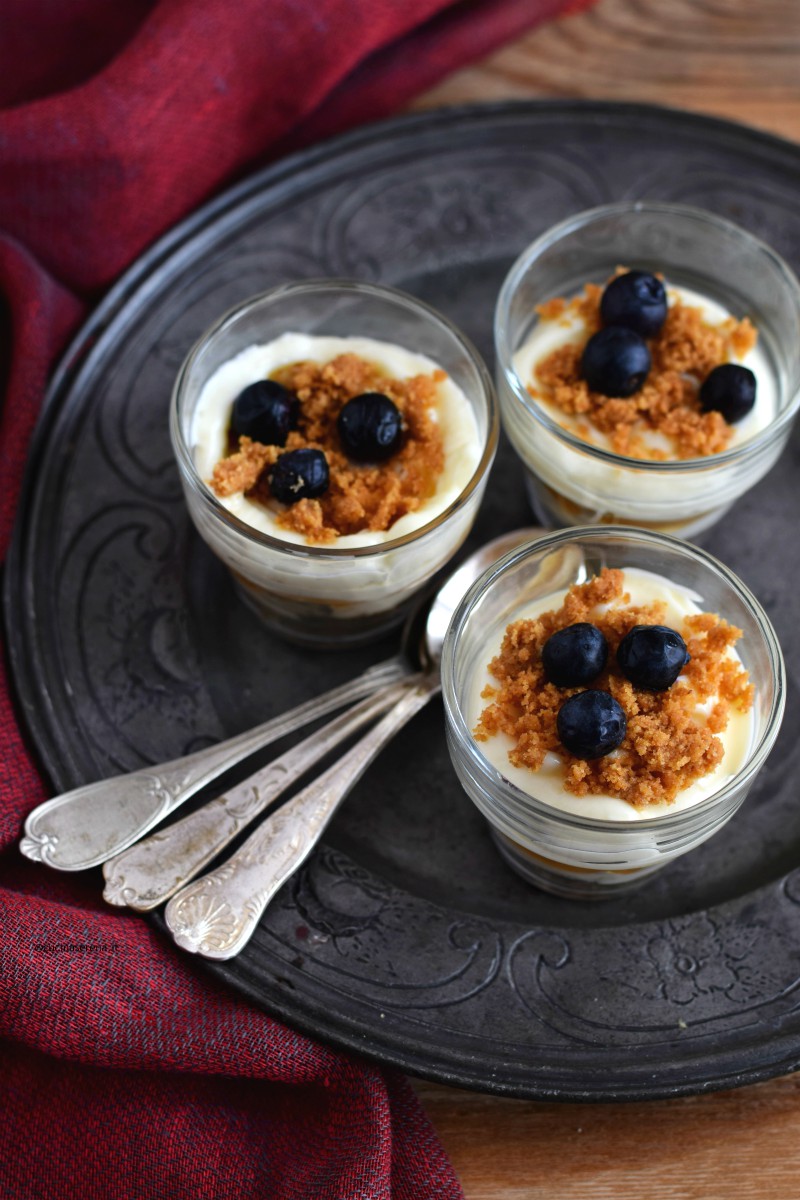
{"x": 683, "y": 353}
{"x": 669, "y": 744}
{"x": 361, "y": 497}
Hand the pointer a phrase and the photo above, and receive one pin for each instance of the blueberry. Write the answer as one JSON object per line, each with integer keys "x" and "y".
{"x": 574, "y": 656}
{"x": 637, "y": 301}
{"x": 615, "y": 361}
{"x": 729, "y": 389}
{"x": 591, "y": 724}
{"x": 299, "y": 475}
{"x": 264, "y": 412}
{"x": 370, "y": 427}
{"x": 652, "y": 656}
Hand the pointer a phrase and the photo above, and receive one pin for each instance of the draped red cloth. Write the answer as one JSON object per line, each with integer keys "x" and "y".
{"x": 125, "y": 1072}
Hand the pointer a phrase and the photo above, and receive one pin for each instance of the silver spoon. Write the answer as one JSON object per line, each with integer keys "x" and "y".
{"x": 85, "y": 827}
{"x": 91, "y": 824}
{"x": 156, "y": 867}
{"x": 217, "y": 914}
{"x": 153, "y": 869}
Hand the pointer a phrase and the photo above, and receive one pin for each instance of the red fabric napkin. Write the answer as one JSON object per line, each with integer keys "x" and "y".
{"x": 125, "y": 1071}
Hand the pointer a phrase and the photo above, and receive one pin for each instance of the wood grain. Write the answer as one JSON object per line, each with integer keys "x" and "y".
{"x": 738, "y": 59}
{"x": 733, "y": 58}
{"x": 739, "y": 1144}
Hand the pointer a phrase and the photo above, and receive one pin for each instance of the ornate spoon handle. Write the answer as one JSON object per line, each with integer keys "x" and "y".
{"x": 84, "y": 827}
{"x": 149, "y": 872}
{"x": 217, "y": 914}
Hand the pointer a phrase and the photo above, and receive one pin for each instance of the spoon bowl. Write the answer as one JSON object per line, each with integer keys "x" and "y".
{"x": 434, "y": 614}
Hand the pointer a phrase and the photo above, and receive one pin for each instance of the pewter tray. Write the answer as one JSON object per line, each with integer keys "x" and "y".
{"x": 405, "y": 938}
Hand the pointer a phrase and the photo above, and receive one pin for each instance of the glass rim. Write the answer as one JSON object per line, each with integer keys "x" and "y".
{"x": 298, "y": 549}
{"x": 505, "y": 353}
{"x": 523, "y": 800}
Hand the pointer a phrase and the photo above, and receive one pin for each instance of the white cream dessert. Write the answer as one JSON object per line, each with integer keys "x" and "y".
{"x": 355, "y": 576}
{"x": 645, "y": 482}
{"x": 453, "y": 413}
{"x": 571, "y": 329}
{"x": 547, "y": 783}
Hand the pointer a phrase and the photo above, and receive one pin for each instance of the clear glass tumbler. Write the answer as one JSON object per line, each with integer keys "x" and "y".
{"x": 573, "y": 482}
{"x": 566, "y": 852}
{"x": 324, "y": 594}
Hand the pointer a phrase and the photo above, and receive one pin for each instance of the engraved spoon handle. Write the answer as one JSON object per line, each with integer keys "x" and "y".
{"x": 150, "y": 871}
{"x": 216, "y": 914}
{"x": 84, "y": 827}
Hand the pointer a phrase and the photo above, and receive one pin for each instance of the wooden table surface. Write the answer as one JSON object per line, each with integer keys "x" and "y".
{"x": 738, "y": 59}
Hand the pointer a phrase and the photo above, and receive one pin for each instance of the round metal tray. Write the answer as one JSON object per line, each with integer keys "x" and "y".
{"x": 405, "y": 937}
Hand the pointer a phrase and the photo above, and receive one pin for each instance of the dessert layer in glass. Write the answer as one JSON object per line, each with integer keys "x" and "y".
{"x": 452, "y": 412}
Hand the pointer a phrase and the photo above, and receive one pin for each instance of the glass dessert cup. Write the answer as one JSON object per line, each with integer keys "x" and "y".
{"x": 578, "y": 856}
{"x": 573, "y": 482}
{"x": 325, "y": 594}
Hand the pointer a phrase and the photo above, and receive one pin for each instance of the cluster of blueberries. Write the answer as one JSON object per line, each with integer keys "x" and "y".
{"x": 592, "y": 723}
{"x": 616, "y": 360}
{"x": 370, "y": 430}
